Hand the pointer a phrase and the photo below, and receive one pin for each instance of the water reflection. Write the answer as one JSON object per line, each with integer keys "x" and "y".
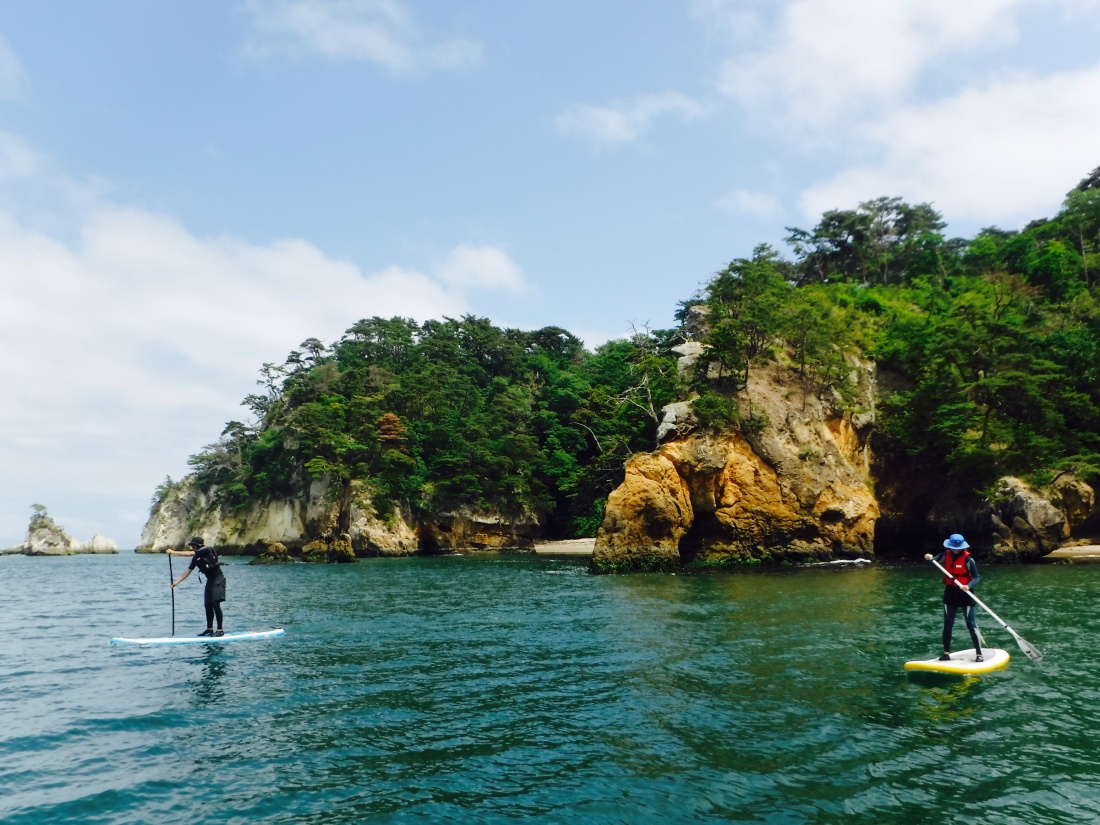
{"x": 947, "y": 699}
{"x": 209, "y": 689}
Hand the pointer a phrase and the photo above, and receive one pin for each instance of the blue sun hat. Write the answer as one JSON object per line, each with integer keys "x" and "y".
{"x": 955, "y": 542}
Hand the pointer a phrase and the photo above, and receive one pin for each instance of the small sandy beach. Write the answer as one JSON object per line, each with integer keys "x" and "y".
{"x": 573, "y": 547}
{"x": 1078, "y": 553}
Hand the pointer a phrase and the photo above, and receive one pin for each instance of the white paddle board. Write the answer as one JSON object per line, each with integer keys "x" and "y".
{"x": 962, "y": 661}
{"x": 201, "y": 640}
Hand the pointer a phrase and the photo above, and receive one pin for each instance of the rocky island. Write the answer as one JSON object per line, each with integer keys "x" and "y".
{"x": 46, "y": 538}
{"x": 885, "y": 387}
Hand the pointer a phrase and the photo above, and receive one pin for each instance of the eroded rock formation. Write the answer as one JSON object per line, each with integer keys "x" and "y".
{"x": 272, "y": 552}
{"x": 792, "y": 482}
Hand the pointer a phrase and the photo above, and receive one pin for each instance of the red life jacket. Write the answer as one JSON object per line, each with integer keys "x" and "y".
{"x": 955, "y": 564}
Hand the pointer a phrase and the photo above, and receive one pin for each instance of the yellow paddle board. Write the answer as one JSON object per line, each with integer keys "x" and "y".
{"x": 962, "y": 662}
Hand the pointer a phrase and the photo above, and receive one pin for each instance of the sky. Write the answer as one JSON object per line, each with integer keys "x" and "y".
{"x": 191, "y": 188}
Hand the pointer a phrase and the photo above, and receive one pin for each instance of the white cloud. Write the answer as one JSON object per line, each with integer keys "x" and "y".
{"x": 129, "y": 341}
{"x": 480, "y": 267}
{"x": 379, "y": 31}
{"x": 927, "y": 95}
{"x": 13, "y": 79}
{"x": 18, "y": 160}
{"x": 751, "y": 202}
{"x": 1005, "y": 152}
{"x": 625, "y": 122}
{"x": 828, "y": 59}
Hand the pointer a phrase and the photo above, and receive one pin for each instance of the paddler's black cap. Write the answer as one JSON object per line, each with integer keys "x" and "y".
{"x": 195, "y": 542}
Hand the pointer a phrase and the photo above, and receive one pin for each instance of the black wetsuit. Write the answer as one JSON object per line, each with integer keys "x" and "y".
{"x": 206, "y": 560}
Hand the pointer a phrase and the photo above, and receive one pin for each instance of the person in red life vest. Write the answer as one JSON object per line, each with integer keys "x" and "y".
{"x": 960, "y": 565}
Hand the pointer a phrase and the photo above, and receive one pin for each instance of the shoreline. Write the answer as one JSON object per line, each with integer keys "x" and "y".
{"x": 1074, "y": 553}
{"x": 566, "y": 547}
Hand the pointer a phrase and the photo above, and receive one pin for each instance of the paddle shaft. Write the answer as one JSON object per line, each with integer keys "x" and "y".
{"x": 1027, "y": 647}
{"x": 171, "y": 587}
{"x": 1022, "y": 642}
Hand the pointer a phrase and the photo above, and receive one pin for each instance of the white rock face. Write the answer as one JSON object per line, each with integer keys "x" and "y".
{"x": 326, "y": 509}
{"x": 99, "y": 544}
{"x": 677, "y": 421}
{"x": 689, "y": 353}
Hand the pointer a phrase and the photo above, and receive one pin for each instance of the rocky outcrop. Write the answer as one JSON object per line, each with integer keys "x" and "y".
{"x": 99, "y": 544}
{"x": 1077, "y": 500}
{"x": 1016, "y": 522}
{"x": 678, "y": 420}
{"x": 468, "y": 531}
{"x": 46, "y": 538}
{"x": 329, "y": 550}
{"x": 1024, "y": 524}
{"x": 327, "y": 515}
{"x": 790, "y": 483}
{"x": 272, "y": 552}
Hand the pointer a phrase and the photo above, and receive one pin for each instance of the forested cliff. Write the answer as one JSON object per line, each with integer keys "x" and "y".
{"x": 452, "y": 433}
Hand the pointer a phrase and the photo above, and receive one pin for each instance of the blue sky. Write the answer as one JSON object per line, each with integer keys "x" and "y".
{"x": 190, "y": 189}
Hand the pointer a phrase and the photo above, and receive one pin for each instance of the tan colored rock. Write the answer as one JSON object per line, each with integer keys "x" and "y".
{"x": 99, "y": 544}
{"x": 646, "y": 517}
{"x": 333, "y": 550}
{"x": 1076, "y": 499}
{"x": 271, "y": 552}
{"x": 374, "y": 536}
{"x": 795, "y": 485}
{"x": 294, "y": 522}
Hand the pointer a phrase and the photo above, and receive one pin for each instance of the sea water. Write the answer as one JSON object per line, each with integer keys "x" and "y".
{"x": 493, "y": 689}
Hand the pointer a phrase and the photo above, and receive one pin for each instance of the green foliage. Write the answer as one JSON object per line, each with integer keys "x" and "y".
{"x": 637, "y": 564}
{"x": 448, "y": 414}
{"x": 714, "y": 411}
{"x": 994, "y": 343}
{"x": 161, "y": 493}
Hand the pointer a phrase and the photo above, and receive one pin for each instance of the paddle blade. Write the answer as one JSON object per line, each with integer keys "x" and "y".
{"x": 1027, "y": 647}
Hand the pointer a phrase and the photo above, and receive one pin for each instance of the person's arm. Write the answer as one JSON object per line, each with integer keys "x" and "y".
{"x": 972, "y": 570}
{"x": 186, "y": 573}
{"x": 937, "y": 558}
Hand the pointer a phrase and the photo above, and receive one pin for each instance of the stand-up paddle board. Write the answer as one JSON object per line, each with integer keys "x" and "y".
{"x": 201, "y": 640}
{"x": 962, "y": 662}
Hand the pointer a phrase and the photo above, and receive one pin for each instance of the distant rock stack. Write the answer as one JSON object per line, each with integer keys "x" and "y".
{"x": 46, "y": 538}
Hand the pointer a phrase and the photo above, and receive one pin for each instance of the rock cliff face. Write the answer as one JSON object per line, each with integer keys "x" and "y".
{"x": 1019, "y": 523}
{"x": 330, "y": 519}
{"x": 46, "y": 538}
{"x": 792, "y": 482}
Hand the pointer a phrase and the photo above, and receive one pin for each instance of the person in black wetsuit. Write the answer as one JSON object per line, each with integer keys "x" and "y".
{"x": 960, "y": 565}
{"x": 206, "y": 560}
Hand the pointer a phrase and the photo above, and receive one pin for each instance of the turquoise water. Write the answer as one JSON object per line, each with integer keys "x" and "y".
{"x": 493, "y": 689}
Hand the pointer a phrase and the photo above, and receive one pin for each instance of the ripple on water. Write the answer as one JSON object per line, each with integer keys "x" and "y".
{"x": 486, "y": 689}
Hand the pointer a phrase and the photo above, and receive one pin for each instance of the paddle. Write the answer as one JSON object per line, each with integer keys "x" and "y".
{"x": 172, "y": 581}
{"x": 1027, "y": 647}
